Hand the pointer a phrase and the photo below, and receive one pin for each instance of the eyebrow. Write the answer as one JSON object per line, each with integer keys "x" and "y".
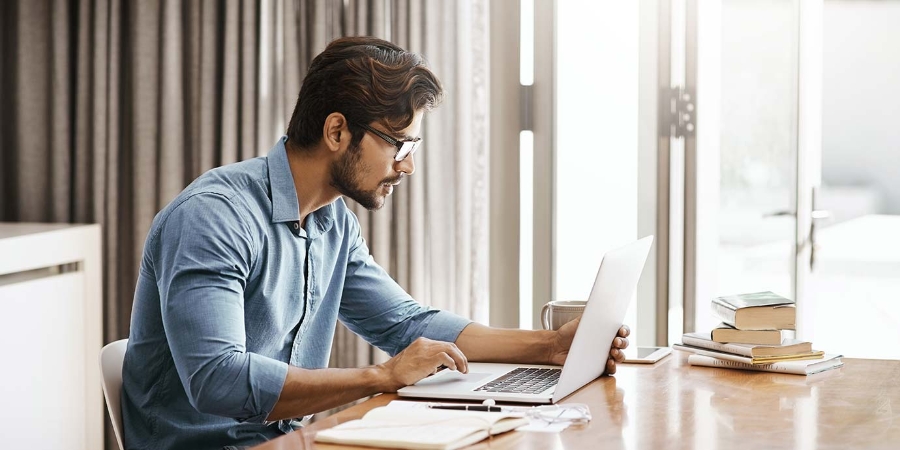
{"x": 399, "y": 137}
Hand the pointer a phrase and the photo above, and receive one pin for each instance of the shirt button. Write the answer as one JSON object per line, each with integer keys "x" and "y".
{"x": 296, "y": 226}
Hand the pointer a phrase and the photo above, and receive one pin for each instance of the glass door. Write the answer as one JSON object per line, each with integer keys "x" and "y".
{"x": 745, "y": 202}
{"x": 788, "y": 187}
{"x": 747, "y": 156}
{"x": 853, "y": 288}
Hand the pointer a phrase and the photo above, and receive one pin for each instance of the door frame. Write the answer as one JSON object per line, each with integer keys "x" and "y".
{"x": 809, "y": 154}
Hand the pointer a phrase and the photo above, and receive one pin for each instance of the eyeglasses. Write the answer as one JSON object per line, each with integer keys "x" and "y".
{"x": 575, "y": 413}
{"x": 404, "y": 148}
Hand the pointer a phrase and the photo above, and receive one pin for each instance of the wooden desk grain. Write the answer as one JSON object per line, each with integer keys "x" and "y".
{"x": 674, "y": 405}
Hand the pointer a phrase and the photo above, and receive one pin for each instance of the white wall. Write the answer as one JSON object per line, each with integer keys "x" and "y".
{"x": 861, "y": 98}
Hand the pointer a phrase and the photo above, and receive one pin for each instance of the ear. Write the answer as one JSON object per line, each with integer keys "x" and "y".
{"x": 335, "y": 133}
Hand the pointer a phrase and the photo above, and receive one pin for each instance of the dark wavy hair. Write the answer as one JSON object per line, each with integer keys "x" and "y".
{"x": 367, "y": 80}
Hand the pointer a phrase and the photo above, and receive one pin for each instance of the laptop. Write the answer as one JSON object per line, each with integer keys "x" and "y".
{"x": 613, "y": 289}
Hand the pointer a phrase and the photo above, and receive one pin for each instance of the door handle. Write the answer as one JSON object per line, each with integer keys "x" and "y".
{"x": 816, "y": 215}
{"x": 780, "y": 214}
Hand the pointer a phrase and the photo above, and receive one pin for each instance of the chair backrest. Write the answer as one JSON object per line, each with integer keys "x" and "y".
{"x": 111, "y": 358}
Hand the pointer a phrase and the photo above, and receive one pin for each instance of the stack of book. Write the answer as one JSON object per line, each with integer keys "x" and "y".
{"x": 752, "y": 336}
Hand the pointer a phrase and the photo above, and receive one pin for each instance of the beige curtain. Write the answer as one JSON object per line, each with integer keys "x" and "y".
{"x": 432, "y": 235}
{"x": 108, "y": 108}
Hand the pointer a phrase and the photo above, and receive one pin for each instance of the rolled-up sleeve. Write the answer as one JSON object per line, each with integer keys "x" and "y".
{"x": 204, "y": 252}
{"x": 375, "y": 307}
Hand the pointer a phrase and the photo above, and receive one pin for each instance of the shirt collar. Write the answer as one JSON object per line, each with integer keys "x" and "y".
{"x": 285, "y": 206}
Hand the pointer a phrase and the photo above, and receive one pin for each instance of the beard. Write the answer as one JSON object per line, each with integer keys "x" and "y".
{"x": 346, "y": 174}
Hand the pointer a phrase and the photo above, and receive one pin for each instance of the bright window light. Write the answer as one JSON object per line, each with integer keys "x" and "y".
{"x": 526, "y": 43}
{"x": 596, "y": 139}
{"x": 526, "y": 232}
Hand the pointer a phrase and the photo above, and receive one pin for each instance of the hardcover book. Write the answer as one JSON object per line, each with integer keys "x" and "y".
{"x": 726, "y": 333}
{"x": 785, "y": 348}
{"x": 756, "y": 311}
{"x": 815, "y": 354}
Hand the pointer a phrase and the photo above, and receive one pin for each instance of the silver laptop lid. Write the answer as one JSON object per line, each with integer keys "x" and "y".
{"x": 613, "y": 289}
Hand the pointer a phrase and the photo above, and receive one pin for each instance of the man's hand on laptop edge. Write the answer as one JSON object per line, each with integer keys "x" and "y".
{"x": 566, "y": 333}
{"x": 616, "y": 355}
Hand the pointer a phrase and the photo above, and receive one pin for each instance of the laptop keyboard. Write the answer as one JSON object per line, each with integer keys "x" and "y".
{"x": 523, "y": 380}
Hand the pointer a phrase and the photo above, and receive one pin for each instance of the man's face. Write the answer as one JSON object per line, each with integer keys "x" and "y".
{"x": 368, "y": 172}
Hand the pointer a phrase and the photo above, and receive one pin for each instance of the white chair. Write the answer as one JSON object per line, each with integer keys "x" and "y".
{"x": 111, "y": 358}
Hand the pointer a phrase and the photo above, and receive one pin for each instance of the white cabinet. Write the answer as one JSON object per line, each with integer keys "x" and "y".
{"x": 51, "y": 332}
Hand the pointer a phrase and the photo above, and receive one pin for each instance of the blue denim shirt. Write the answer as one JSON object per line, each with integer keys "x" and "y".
{"x": 232, "y": 289}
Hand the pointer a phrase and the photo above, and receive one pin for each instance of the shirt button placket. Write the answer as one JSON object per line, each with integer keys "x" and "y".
{"x": 307, "y": 271}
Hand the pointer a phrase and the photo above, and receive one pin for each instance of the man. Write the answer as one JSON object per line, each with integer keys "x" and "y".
{"x": 246, "y": 272}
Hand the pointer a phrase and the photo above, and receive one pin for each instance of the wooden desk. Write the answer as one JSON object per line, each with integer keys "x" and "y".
{"x": 674, "y": 405}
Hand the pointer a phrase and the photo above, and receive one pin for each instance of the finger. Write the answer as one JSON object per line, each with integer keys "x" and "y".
{"x": 624, "y": 331}
{"x": 617, "y": 355}
{"x": 620, "y": 342}
{"x": 610, "y": 367}
{"x": 445, "y": 360}
{"x": 462, "y": 363}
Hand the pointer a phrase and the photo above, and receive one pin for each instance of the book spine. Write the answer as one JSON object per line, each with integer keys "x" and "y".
{"x": 757, "y": 337}
{"x": 690, "y": 340}
{"x": 723, "y": 312}
{"x": 700, "y": 360}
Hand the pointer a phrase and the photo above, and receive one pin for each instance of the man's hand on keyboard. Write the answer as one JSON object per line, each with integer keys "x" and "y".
{"x": 422, "y": 358}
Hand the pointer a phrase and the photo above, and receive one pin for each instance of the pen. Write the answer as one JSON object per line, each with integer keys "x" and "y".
{"x": 468, "y": 407}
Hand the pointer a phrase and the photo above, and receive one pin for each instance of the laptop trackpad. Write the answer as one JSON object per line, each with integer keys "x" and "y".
{"x": 451, "y": 377}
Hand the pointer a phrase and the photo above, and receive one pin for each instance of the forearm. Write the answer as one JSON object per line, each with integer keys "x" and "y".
{"x": 310, "y": 391}
{"x": 486, "y": 344}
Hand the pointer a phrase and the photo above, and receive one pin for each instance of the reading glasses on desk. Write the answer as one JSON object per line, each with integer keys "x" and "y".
{"x": 576, "y": 413}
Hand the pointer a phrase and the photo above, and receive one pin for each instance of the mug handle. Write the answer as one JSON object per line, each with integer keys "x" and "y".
{"x": 545, "y": 316}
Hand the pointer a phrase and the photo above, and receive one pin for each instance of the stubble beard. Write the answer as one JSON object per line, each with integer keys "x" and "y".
{"x": 345, "y": 177}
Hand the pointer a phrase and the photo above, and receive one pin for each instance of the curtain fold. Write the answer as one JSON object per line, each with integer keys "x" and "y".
{"x": 109, "y": 108}
{"x": 432, "y": 235}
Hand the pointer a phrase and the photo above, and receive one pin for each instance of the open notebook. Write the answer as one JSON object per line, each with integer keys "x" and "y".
{"x": 438, "y": 429}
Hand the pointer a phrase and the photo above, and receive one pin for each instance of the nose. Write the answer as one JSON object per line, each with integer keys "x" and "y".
{"x": 407, "y": 166}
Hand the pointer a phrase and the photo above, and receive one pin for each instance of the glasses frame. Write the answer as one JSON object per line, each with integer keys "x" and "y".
{"x": 574, "y": 413}
{"x": 404, "y": 147}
